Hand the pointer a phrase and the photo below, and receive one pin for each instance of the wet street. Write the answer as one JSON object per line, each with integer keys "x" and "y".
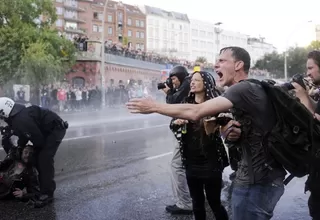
{"x": 116, "y": 167}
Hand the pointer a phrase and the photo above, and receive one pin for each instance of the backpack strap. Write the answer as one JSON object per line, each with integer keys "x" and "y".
{"x": 245, "y": 146}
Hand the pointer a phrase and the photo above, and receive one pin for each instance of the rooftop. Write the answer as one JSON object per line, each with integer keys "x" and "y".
{"x": 166, "y": 14}
{"x": 115, "y": 4}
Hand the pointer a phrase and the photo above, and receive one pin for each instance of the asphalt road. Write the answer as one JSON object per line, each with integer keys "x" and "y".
{"x": 116, "y": 167}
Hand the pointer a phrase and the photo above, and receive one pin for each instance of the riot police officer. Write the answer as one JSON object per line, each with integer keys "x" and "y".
{"x": 45, "y": 129}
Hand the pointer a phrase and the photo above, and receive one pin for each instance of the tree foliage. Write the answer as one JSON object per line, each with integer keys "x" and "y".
{"x": 314, "y": 45}
{"x": 296, "y": 60}
{"x": 201, "y": 60}
{"x": 25, "y": 28}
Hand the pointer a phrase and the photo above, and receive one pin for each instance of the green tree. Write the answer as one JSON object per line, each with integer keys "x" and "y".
{"x": 272, "y": 62}
{"x": 314, "y": 45}
{"x": 201, "y": 60}
{"x": 296, "y": 60}
{"x": 27, "y": 12}
{"x": 21, "y": 32}
{"x": 37, "y": 65}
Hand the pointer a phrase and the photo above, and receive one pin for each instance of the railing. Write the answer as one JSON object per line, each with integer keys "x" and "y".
{"x": 74, "y": 30}
{"x": 111, "y": 58}
{"x": 73, "y": 5}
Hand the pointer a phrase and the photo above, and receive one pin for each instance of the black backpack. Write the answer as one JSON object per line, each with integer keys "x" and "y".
{"x": 294, "y": 141}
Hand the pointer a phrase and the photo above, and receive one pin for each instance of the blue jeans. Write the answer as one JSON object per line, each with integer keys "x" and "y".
{"x": 255, "y": 202}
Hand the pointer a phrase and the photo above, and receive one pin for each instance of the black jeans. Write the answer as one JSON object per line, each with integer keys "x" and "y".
{"x": 45, "y": 161}
{"x": 212, "y": 187}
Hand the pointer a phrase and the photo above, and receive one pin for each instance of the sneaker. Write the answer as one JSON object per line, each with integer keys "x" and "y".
{"x": 175, "y": 210}
{"x": 42, "y": 201}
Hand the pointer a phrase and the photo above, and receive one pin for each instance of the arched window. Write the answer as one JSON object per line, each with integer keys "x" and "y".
{"x": 78, "y": 82}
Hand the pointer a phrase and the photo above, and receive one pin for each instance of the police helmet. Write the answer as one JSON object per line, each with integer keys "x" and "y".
{"x": 6, "y": 106}
{"x": 180, "y": 72}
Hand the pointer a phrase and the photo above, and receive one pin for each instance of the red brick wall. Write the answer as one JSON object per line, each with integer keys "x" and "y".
{"x": 90, "y": 71}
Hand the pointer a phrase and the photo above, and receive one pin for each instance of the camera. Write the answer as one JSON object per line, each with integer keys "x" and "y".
{"x": 223, "y": 121}
{"x": 299, "y": 79}
{"x": 168, "y": 82}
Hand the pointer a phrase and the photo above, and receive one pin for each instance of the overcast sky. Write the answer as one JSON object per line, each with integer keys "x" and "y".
{"x": 279, "y": 21}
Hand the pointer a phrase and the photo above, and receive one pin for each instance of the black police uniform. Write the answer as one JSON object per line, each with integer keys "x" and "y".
{"x": 45, "y": 129}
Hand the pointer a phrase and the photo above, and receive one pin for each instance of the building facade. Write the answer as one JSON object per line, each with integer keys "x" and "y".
{"x": 203, "y": 40}
{"x": 207, "y": 39}
{"x": 124, "y": 24}
{"x": 257, "y": 48}
{"x": 318, "y": 32}
{"x": 168, "y": 32}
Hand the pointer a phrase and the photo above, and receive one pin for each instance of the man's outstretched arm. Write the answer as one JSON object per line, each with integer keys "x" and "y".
{"x": 193, "y": 112}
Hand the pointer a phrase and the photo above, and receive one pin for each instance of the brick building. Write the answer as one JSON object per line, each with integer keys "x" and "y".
{"x": 86, "y": 71}
{"x": 124, "y": 24}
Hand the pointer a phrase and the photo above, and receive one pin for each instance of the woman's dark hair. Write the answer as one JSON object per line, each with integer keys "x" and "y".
{"x": 199, "y": 125}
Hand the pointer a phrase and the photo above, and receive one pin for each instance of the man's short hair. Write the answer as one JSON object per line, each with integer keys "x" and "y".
{"x": 239, "y": 54}
{"x": 315, "y": 55}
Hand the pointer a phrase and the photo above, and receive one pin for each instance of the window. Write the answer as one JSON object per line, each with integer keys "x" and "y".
{"x": 150, "y": 32}
{"x": 156, "y": 33}
{"x": 195, "y": 43}
{"x": 150, "y": 43}
{"x": 120, "y": 16}
{"x": 186, "y": 37}
{"x": 100, "y": 29}
{"x": 194, "y": 32}
{"x": 142, "y": 46}
{"x": 172, "y": 26}
{"x": 109, "y": 18}
{"x": 95, "y": 15}
{"x": 59, "y": 23}
{"x": 137, "y": 46}
{"x": 110, "y": 30}
{"x": 71, "y": 25}
{"x": 141, "y": 35}
{"x": 95, "y": 28}
{"x": 129, "y": 33}
{"x": 181, "y": 27}
{"x": 137, "y": 34}
{"x": 137, "y": 23}
{"x": 141, "y": 23}
{"x": 59, "y": 11}
{"x": 129, "y": 21}
{"x": 165, "y": 34}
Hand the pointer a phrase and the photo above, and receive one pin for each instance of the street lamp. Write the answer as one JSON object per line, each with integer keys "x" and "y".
{"x": 103, "y": 60}
{"x": 286, "y": 52}
{"x": 217, "y": 30}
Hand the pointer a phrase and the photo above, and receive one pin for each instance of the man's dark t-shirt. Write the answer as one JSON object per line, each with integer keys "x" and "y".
{"x": 252, "y": 99}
